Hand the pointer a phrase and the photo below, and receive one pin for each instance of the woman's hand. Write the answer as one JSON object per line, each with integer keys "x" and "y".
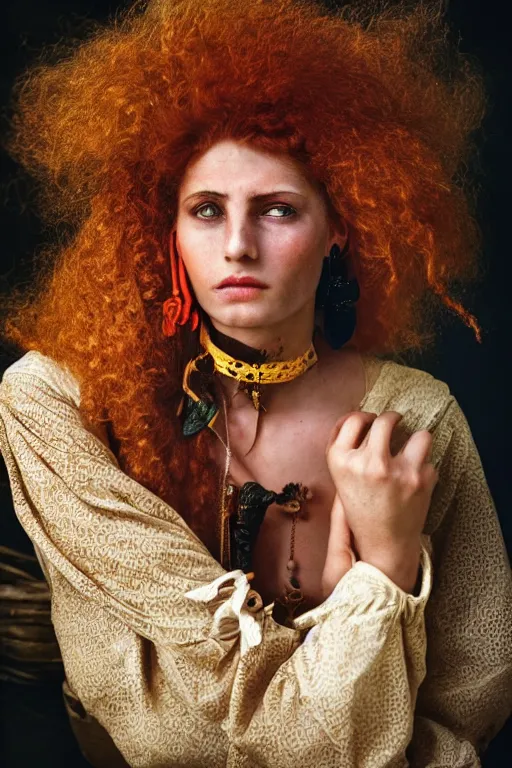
{"x": 383, "y": 499}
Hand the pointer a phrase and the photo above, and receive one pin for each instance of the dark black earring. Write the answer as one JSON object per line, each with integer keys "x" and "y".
{"x": 337, "y": 296}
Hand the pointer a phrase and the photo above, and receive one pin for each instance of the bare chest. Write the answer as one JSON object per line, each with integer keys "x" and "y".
{"x": 289, "y": 448}
{"x": 302, "y": 460}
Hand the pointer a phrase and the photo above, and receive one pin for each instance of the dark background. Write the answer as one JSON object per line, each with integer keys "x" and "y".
{"x": 34, "y": 729}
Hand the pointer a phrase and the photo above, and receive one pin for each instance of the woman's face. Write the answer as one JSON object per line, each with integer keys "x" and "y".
{"x": 244, "y": 213}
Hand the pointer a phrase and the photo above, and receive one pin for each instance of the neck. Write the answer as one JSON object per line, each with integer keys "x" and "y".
{"x": 265, "y": 347}
{"x": 285, "y": 341}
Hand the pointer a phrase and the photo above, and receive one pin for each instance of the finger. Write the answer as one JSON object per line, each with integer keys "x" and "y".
{"x": 335, "y": 430}
{"x": 353, "y": 429}
{"x": 339, "y": 533}
{"x": 379, "y": 438}
{"x": 418, "y": 449}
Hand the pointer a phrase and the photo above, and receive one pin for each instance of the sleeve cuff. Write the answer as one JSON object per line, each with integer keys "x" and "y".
{"x": 239, "y": 610}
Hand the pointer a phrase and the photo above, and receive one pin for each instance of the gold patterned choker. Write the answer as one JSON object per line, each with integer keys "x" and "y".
{"x": 253, "y": 375}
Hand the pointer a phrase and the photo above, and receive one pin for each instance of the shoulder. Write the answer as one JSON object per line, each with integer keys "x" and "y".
{"x": 426, "y": 403}
{"x": 44, "y": 371}
{"x": 41, "y": 386}
{"x": 396, "y": 386}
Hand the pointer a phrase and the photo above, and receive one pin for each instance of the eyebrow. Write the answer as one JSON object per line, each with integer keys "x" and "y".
{"x": 257, "y": 198}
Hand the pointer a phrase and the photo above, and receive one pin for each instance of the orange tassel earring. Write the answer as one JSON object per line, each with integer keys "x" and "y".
{"x": 178, "y": 309}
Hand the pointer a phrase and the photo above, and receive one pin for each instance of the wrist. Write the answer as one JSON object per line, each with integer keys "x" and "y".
{"x": 401, "y": 565}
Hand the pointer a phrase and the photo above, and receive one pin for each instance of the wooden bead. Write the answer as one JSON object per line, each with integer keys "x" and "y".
{"x": 253, "y": 601}
{"x": 291, "y": 507}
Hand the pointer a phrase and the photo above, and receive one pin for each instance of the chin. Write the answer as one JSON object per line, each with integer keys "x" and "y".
{"x": 245, "y": 318}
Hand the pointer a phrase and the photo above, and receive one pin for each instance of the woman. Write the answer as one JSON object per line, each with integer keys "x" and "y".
{"x": 261, "y": 537}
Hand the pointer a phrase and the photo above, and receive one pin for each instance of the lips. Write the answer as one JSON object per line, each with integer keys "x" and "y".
{"x": 235, "y": 281}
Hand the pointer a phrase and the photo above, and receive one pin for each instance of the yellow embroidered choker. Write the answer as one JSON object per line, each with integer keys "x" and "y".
{"x": 255, "y": 374}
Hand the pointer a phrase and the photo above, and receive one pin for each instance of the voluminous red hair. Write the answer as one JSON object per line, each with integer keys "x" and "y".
{"x": 380, "y": 108}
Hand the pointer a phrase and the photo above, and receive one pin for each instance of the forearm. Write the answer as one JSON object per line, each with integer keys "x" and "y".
{"x": 349, "y": 689}
{"x": 346, "y": 691}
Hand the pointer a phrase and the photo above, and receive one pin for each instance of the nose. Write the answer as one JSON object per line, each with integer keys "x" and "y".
{"x": 240, "y": 242}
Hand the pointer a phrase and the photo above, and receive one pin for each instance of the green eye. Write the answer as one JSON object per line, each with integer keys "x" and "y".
{"x": 284, "y": 211}
{"x": 202, "y": 208}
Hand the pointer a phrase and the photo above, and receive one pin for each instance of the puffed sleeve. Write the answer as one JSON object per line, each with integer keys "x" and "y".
{"x": 174, "y": 656}
{"x": 467, "y": 694}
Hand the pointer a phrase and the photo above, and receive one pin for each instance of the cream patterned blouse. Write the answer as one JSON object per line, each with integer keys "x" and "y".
{"x": 168, "y": 652}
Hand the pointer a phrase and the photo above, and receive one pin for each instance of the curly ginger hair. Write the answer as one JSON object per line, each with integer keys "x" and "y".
{"x": 375, "y": 103}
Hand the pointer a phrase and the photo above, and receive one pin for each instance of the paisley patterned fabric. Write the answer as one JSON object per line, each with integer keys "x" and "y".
{"x": 185, "y": 667}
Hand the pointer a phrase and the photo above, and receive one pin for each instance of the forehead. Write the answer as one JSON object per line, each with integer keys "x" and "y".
{"x": 235, "y": 165}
